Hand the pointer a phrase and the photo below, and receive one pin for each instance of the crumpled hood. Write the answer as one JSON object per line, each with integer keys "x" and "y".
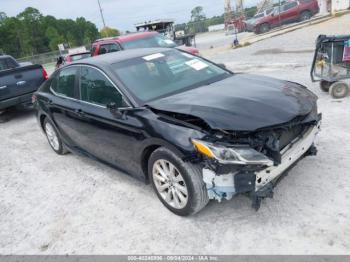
{"x": 242, "y": 102}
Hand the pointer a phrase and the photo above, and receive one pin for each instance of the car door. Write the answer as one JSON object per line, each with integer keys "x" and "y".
{"x": 274, "y": 17}
{"x": 289, "y": 12}
{"x": 63, "y": 105}
{"x": 104, "y": 133}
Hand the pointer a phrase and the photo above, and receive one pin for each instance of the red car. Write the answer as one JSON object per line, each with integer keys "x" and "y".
{"x": 70, "y": 58}
{"x": 136, "y": 40}
{"x": 290, "y": 11}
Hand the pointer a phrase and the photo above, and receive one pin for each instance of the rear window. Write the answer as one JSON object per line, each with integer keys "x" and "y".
{"x": 108, "y": 48}
{"x": 151, "y": 41}
{"x": 7, "y": 63}
{"x": 64, "y": 83}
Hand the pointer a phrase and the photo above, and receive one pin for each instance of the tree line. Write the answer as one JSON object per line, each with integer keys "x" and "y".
{"x": 31, "y": 33}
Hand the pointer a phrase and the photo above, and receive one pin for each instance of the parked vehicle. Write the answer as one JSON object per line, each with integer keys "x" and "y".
{"x": 136, "y": 40}
{"x": 17, "y": 82}
{"x": 195, "y": 130}
{"x": 76, "y": 56}
{"x": 250, "y": 23}
{"x": 331, "y": 64}
{"x": 166, "y": 28}
{"x": 293, "y": 11}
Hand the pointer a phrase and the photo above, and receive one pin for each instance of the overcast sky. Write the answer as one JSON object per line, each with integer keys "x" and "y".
{"x": 121, "y": 14}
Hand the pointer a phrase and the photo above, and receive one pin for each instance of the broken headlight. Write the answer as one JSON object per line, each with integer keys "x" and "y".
{"x": 242, "y": 155}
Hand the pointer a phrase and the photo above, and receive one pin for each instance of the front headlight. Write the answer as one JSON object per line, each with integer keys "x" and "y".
{"x": 231, "y": 155}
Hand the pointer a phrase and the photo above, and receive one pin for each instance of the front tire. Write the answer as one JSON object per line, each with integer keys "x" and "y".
{"x": 179, "y": 185}
{"x": 264, "y": 28}
{"x": 53, "y": 137}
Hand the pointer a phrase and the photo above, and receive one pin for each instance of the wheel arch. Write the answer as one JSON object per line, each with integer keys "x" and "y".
{"x": 41, "y": 120}
{"x": 262, "y": 24}
{"x": 150, "y": 148}
{"x": 306, "y": 11}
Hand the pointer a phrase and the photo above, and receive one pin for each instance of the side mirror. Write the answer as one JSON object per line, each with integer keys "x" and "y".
{"x": 112, "y": 107}
{"x": 222, "y": 65}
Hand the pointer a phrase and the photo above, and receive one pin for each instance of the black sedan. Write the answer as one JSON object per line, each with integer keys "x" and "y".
{"x": 193, "y": 129}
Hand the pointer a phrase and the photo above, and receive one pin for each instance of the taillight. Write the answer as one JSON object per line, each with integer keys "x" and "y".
{"x": 45, "y": 75}
{"x": 34, "y": 98}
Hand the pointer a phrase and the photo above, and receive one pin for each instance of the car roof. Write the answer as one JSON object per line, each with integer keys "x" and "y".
{"x": 115, "y": 57}
{"x": 80, "y": 53}
{"x": 5, "y": 56}
{"x": 126, "y": 38}
{"x": 135, "y": 36}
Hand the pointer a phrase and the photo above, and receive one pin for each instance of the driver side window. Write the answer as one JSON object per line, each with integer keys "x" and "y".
{"x": 97, "y": 89}
{"x": 288, "y": 6}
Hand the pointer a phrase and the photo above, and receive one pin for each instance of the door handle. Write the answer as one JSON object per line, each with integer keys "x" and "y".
{"x": 3, "y": 87}
{"x": 21, "y": 83}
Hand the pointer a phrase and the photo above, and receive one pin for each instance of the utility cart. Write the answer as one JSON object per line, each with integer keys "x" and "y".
{"x": 166, "y": 27}
{"x": 331, "y": 64}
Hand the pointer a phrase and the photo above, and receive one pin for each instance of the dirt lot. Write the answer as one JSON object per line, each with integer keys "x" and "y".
{"x": 52, "y": 204}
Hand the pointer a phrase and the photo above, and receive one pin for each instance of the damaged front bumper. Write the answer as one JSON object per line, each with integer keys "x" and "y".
{"x": 259, "y": 184}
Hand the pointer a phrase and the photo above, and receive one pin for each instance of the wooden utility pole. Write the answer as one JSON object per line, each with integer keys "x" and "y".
{"x": 101, "y": 12}
{"x": 227, "y": 12}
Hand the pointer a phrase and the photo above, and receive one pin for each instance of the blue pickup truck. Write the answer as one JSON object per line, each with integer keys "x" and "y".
{"x": 18, "y": 82}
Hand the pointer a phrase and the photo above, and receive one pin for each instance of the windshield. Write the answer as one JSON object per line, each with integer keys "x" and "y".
{"x": 166, "y": 73}
{"x": 259, "y": 15}
{"x": 150, "y": 41}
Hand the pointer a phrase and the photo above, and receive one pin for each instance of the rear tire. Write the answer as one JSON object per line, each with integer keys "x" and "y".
{"x": 339, "y": 90}
{"x": 53, "y": 137}
{"x": 305, "y": 15}
{"x": 325, "y": 85}
{"x": 183, "y": 193}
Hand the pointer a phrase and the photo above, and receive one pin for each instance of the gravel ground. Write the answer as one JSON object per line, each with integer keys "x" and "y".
{"x": 52, "y": 204}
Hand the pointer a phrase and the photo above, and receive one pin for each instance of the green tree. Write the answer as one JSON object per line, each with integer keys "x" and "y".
{"x": 197, "y": 14}
{"x": 31, "y": 31}
{"x": 197, "y": 23}
{"x": 10, "y": 38}
{"x": 2, "y": 17}
{"x": 54, "y": 38}
{"x": 109, "y": 32}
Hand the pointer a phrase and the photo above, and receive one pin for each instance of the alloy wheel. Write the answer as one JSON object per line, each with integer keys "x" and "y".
{"x": 170, "y": 184}
{"x": 52, "y": 136}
